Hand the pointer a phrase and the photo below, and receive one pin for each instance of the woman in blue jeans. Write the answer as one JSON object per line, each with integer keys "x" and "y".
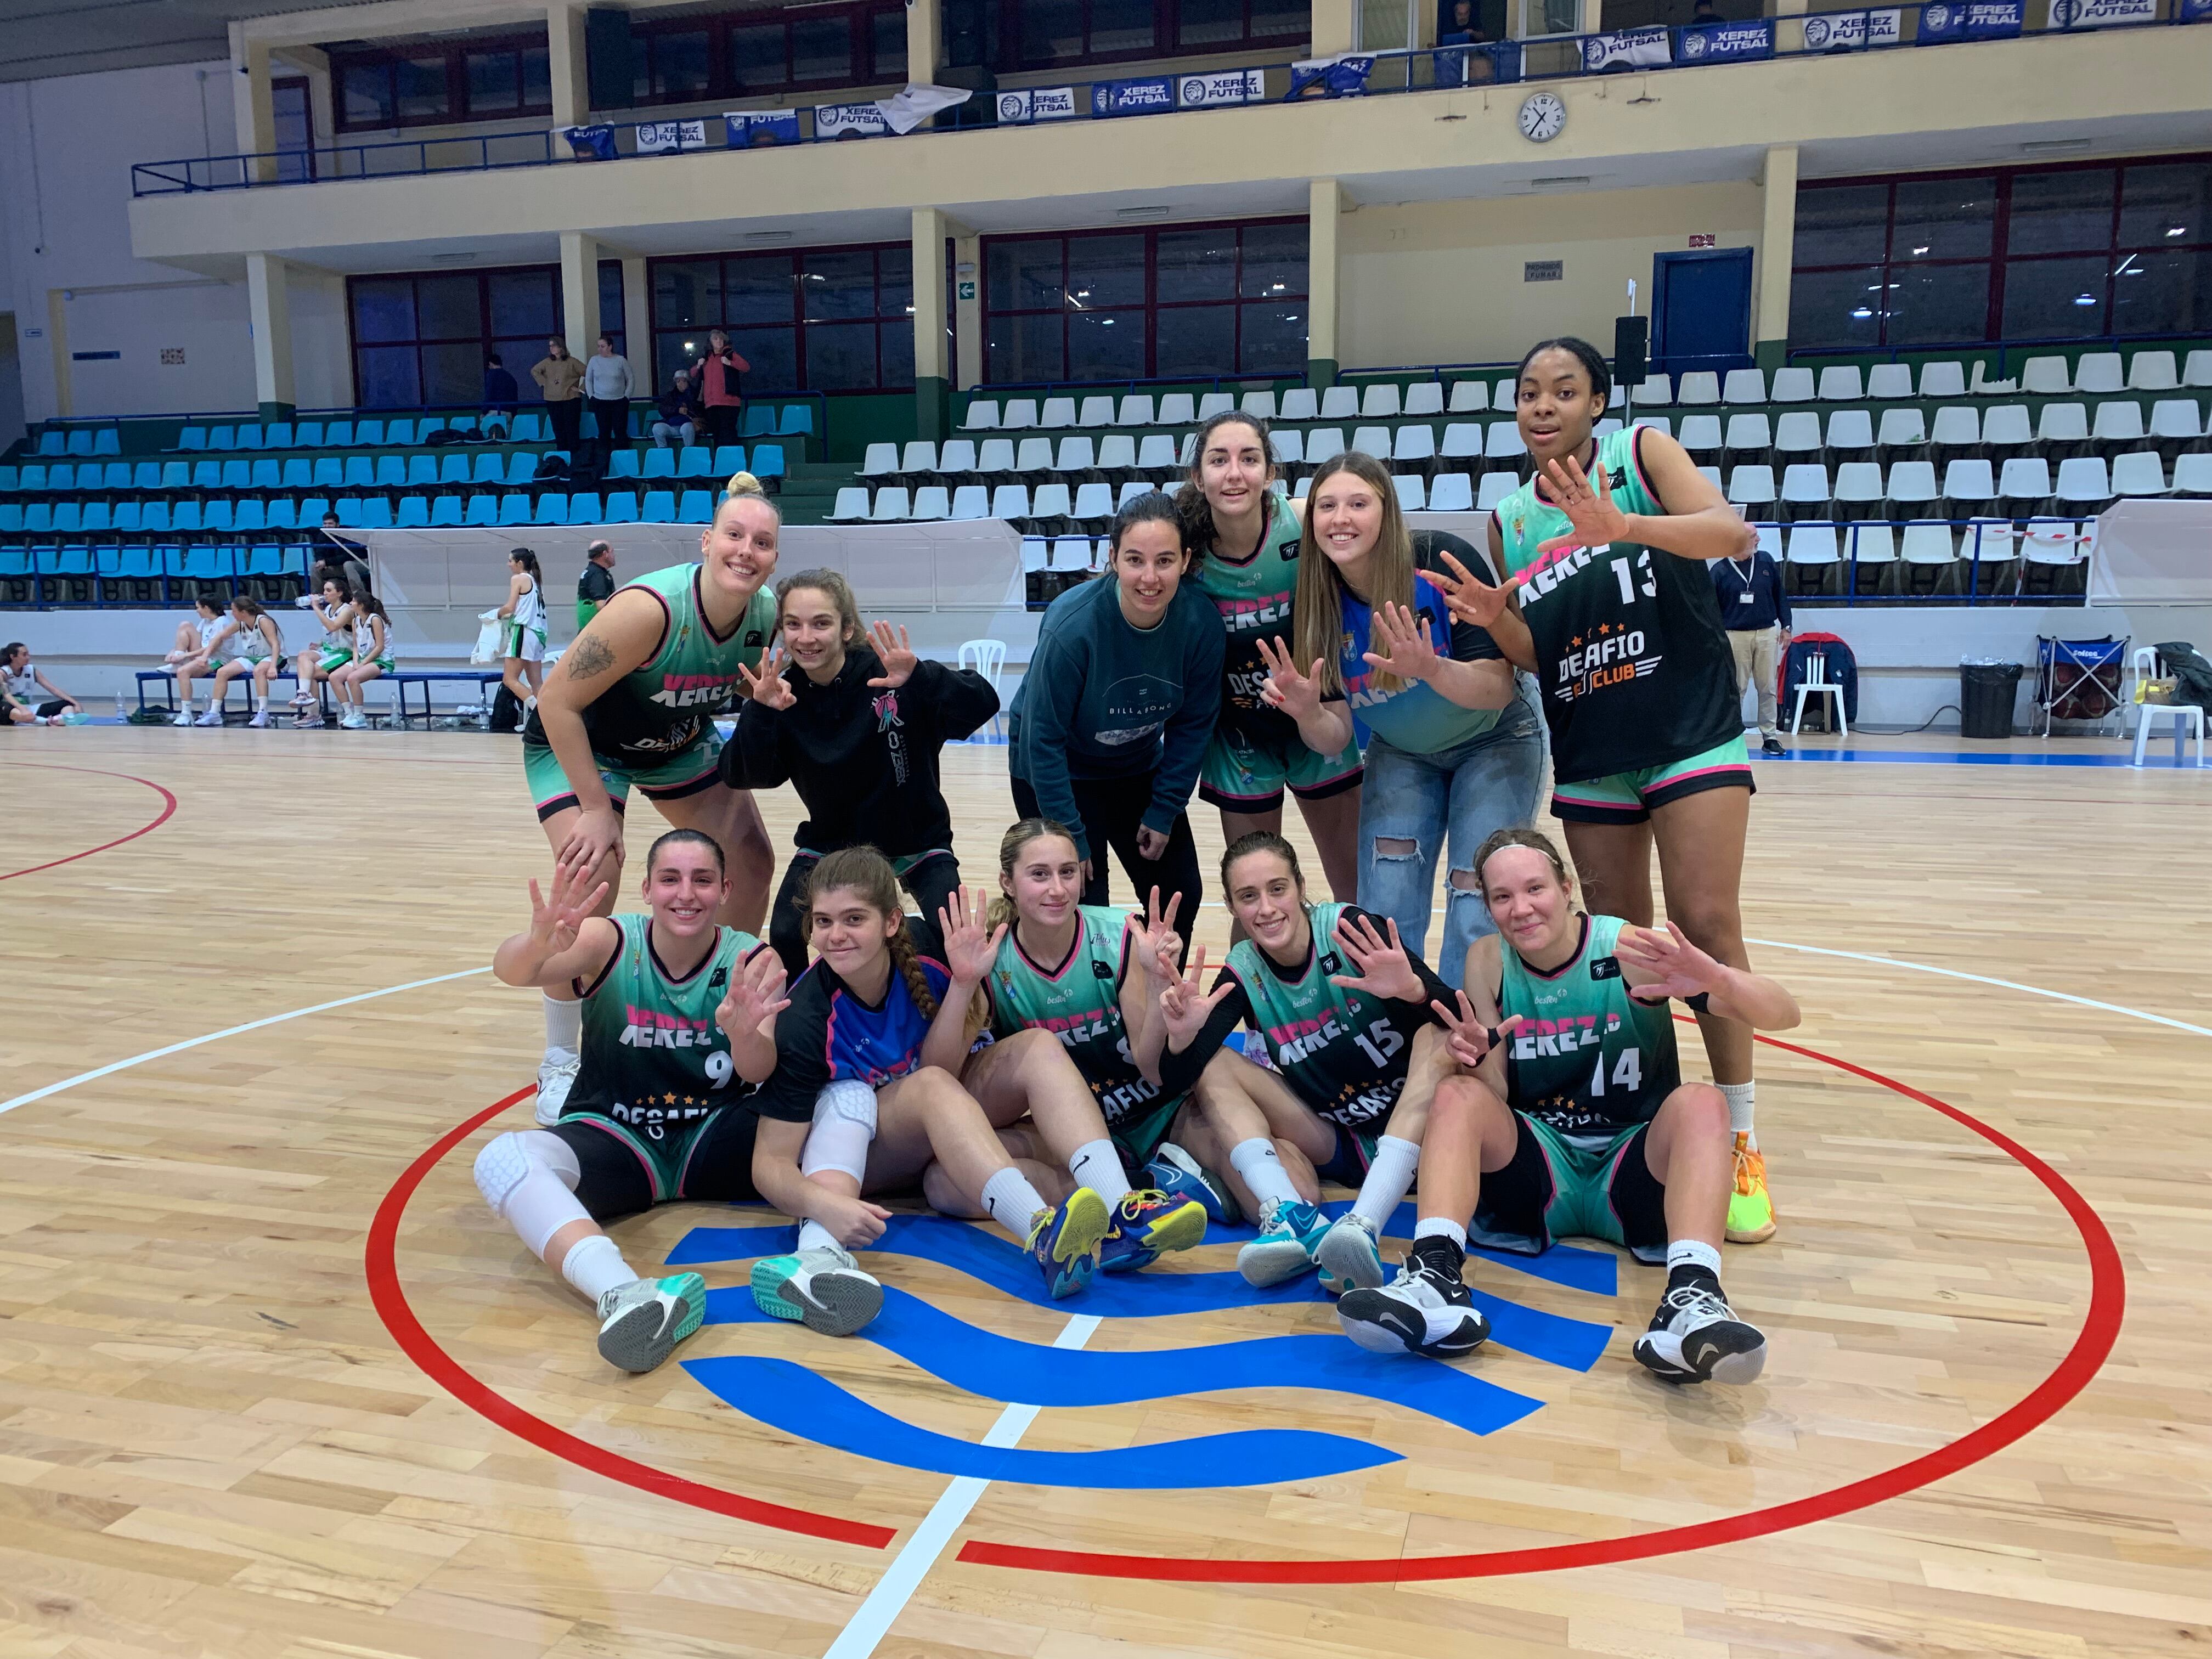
{"x": 1454, "y": 749}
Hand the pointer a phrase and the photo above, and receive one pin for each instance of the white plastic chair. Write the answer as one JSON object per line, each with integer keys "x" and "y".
{"x": 1797, "y": 432}
{"x": 1035, "y": 456}
{"x": 1259, "y": 404}
{"x": 995, "y": 455}
{"x": 1379, "y": 401}
{"x": 881, "y": 461}
{"x": 957, "y": 455}
{"x": 1071, "y": 553}
{"x": 893, "y": 506}
{"x": 1051, "y": 502}
{"x": 1136, "y": 410}
{"x": 1946, "y": 379}
{"x": 1214, "y": 404}
{"x": 2099, "y": 372}
{"x": 982, "y": 415}
{"x": 1903, "y": 428}
{"x": 1019, "y": 413}
{"x": 1373, "y": 441}
{"x": 2045, "y": 377}
{"x": 970, "y": 501}
{"x": 1751, "y": 486}
{"x": 1076, "y": 454}
{"x": 1495, "y": 488}
{"x": 1889, "y": 382}
{"x": 1452, "y": 492}
{"x": 1156, "y": 451}
{"x": 1839, "y": 384}
{"x": 1323, "y": 442}
{"x": 1792, "y": 385}
{"x": 1300, "y": 403}
{"x": 1744, "y": 386}
{"x": 919, "y": 455}
{"x": 1851, "y": 431}
{"x": 1468, "y": 398}
{"x": 1413, "y": 492}
{"x": 2151, "y": 371}
{"x": 1505, "y": 395}
{"x": 1058, "y": 412}
{"x": 1011, "y": 501}
{"x": 2183, "y": 718}
{"x": 2117, "y": 422}
{"x": 851, "y": 505}
{"x": 2140, "y": 473}
{"x": 988, "y": 659}
{"x": 1092, "y": 501}
{"x": 2065, "y": 424}
{"x": 1289, "y": 445}
{"x": 1816, "y": 683}
{"x": 930, "y": 503}
{"x": 1463, "y": 441}
{"x": 1699, "y": 386}
{"x": 1656, "y": 389}
{"x": 1177, "y": 409}
{"x": 1117, "y": 452}
{"x": 2175, "y": 418}
{"x": 2197, "y": 371}
{"x": 1748, "y": 432}
{"x": 1095, "y": 411}
{"x": 1339, "y": 403}
{"x": 1424, "y": 398}
{"x": 1414, "y": 443}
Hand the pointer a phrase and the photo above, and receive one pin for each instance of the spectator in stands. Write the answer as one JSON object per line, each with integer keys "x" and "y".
{"x": 349, "y": 559}
{"x": 371, "y": 656}
{"x": 1755, "y": 610}
{"x": 1703, "y": 12}
{"x": 677, "y": 416}
{"x": 501, "y": 394}
{"x": 559, "y": 378}
{"x": 1457, "y": 69}
{"x": 718, "y": 378}
{"x": 256, "y": 649}
{"x": 523, "y": 644}
{"x": 597, "y": 585}
{"x": 215, "y": 627}
{"x": 319, "y": 662}
{"x": 26, "y": 684}
{"x": 607, "y": 389}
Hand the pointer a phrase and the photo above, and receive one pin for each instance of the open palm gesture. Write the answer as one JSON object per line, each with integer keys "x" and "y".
{"x": 970, "y": 947}
{"x": 1469, "y": 1039}
{"x": 754, "y": 997}
{"x": 1157, "y": 946}
{"x": 767, "y": 685}
{"x": 1407, "y": 649}
{"x": 554, "y": 922}
{"x": 895, "y": 653}
{"x": 1676, "y": 967}
{"x": 1469, "y": 598}
{"x": 1588, "y": 503}
{"x": 1186, "y": 1005}
{"x": 1384, "y": 969}
{"x": 1296, "y": 695}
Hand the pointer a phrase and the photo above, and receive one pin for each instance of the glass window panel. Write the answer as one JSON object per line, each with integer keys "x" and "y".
{"x": 673, "y": 349}
{"x": 756, "y": 55}
{"x": 2054, "y": 299}
{"x": 898, "y": 354}
{"x": 384, "y": 309}
{"x": 840, "y": 356}
{"x": 887, "y": 45}
{"x": 1197, "y": 340}
{"x": 1052, "y": 30}
{"x": 385, "y": 377}
{"x": 971, "y": 33}
{"x": 1209, "y": 22}
{"x": 821, "y": 49}
{"x": 2059, "y": 212}
{"x": 895, "y": 281}
{"x": 452, "y": 374}
{"x": 1106, "y": 345}
{"x": 1121, "y": 26}
{"x": 287, "y": 110}
{"x": 1272, "y": 340}
{"x": 774, "y": 354}
{"x": 2161, "y": 206}
{"x": 537, "y": 78}
{"x": 1283, "y": 17}
{"x": 1274, "y": 262}
{"x": 612, "y": 315}
{"x": 1943, "y": 218}
{"x": 757, "y": 289}
{"x": 1025, "y": 275}
{"x": 1026, "y": 348}
{"x": 448, "y": 308}
{"x": 1836, "y": 308}
{"x": 1197, "y": 264}
{"x": 494, "y": 83}
{"x": 2162, "y": 293}
{"x": 1105, "y": 271}
{"x": 522, "y": 302}
{"x": 686, "y": 294}
{"x": 680, "y": 64}
{"x": 838, "y": 285}
{"x": 1848, "y": 226}
{"x": 518, "y": 356}
{"x": 1938, "y": 305}
{"x": 422, "y": 86}
{"x": 365, "y": 95}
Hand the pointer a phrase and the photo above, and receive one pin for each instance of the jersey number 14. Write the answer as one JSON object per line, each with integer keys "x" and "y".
{"x": 1627, "y": 1074}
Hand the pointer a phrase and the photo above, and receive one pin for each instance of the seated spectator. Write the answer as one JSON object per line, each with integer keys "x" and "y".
{"x": 218, "y": 629}
{"x": 25, "y": 684}
{"x": 336, "y": 556}
{"x": 256, "y": 649}
{"x": 501, "y": 393}
{"x": 336, "y": 651}
{"x": 371, "y": 656}
{"x": 677, "y": 416}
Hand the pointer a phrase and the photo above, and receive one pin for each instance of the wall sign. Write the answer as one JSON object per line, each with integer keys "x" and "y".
{"x": 1543, "y": 271}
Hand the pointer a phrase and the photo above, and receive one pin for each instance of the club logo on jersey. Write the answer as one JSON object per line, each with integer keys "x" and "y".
{"x": 1613, "y": 656}
{"x": 1250, "y": 616}
{"x": 1102, "y": 971}
{"x": 755, "y": 637}
{"x": 891, "y": 729}
{"x": 719, "y": 980}
{"x": 1605, "y": 968}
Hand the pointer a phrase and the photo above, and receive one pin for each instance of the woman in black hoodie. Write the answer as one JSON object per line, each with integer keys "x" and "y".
{"x": 854, "y": 724}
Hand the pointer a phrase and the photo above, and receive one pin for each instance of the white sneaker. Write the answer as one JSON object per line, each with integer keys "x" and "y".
{"x": 642, "y": 1322}
{"x": 823, "y": 1288}
{"x": 1695, "y": 1337}
{"x": 1349, "y": 1256}
{"x": 1422, "y": 1311}
{"x": 184, "y": 717}
{"x": 213, "y": 717}
{"x": 555, "y": 1078}
{"x": 354, "y": 722}
{"x": 261, "y": 718}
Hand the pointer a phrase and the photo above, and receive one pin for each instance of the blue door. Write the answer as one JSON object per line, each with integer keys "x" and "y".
{"x": 1701, "y": 310}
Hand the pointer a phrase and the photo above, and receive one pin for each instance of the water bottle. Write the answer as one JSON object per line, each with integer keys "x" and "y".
{"x": 122, "y": 714}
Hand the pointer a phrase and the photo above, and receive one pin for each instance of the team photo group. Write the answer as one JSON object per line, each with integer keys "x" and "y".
{"x": 855, "y": 1021}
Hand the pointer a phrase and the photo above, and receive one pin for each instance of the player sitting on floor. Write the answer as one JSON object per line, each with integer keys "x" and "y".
{"x": 1576, "y": 1121}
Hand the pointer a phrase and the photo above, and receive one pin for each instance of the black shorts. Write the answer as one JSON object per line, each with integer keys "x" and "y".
{"x": 716, "y": 1167}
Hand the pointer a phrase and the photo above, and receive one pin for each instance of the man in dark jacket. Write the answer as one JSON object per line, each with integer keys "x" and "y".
{"x": 1755, "y": 610}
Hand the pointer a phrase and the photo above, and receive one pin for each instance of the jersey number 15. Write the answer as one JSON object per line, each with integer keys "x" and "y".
{"x": 1381, "y": 1043}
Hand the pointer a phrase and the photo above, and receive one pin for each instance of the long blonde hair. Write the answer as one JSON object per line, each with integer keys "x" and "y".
{"x": 869, "y": 873}
{"x": 1003, "y": 913}
{"x": 1317, "y": 610}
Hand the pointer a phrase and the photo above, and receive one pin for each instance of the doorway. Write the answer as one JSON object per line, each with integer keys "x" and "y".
{"x": 1701, "y": 310}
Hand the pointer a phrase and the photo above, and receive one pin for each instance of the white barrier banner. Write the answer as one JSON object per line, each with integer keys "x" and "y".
{"x": 1248, "y": 86}
{"x": 1842, "y": 31}
{"x": 1625, "y": 47}
{"x": 2101, "y": 14}
{"x": 1028, "y": 104}
{"x": 863, "y": 120}
{"x": 653, "y": 136}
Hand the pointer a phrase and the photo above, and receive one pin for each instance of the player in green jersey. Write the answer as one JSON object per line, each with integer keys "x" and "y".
{"x": 1346, "y": 1014}
{"x": 632, "y": 702}
{"x": 677, "y": 1020}
{"x": 1576, "y": 1121}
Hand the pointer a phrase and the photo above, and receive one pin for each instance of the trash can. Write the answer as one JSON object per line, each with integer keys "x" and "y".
{"x": 1987, "y": 691}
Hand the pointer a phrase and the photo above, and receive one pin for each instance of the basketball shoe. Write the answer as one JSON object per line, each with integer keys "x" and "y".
{"x": 642, "y": 1322}
{"x": 1751, "y": 1210}
{"x": 1695, "y": 1336}
{"x": 1064, "y": 1242}
{"x": 1349, "y": 1258}
{"x": 1290, "y": 1233}
{"x": 1177, "y": 1174}
{"x": 823, "y": 1289}
{"x": 1426, "y": 1310}
{"x": 1145, "y": 1226}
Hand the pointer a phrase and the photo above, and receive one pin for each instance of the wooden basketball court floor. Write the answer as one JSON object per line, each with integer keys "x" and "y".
{"x": 273, "y": 1383}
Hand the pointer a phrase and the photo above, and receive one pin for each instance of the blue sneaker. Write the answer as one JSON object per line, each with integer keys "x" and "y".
{"x": 1064, "y": 1242}
{"x": 1177, "y": 1174}
{"x": 1290, "y": 1234}
{"x": 1146, "y": 1225}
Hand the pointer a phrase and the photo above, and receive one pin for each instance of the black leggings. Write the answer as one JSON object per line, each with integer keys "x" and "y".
{"x": 933, "y": 881}
{"x": 567, "y": 418}
{"x": 1113, "y": 811}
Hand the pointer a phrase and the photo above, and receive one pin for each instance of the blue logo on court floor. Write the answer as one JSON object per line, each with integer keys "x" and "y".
{"x": 801, "y": 1402}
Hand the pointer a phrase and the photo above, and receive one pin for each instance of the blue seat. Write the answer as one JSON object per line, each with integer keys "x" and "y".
{"x": 39, "y": 519}
{"x": 697, "y": 508}
{"x": 107, "y": 561}
{"x": 108, "y": 440}
{"x": 798, "y": 420}
{"x": 445, "y": 511}
{"x": 760, "y": 422}
{"x": 154, "y": 518}
{"x": 80, "y": 441}
{"x": 338, "y": 435}
{"x": 552, "y": 509}
{"x": 360, "y": 472}
{"x": 521, "y": 467}
{"x": 192, "y": 437}
{"x": 489, "y": 469}
{"x": 208, "y": 564}
{"x": 73, "y": 562}
{"x": 530, "y": 428}
{"x": 62, "y": 474}
{"x": 729, "y": 458}
{"x": 660, "y": 507}
{"x": 280, "y": 515}
{"x": 11, "y": 519}
{"x": 98, "y": 519}
{"x": 349, "y": 508}
{"x": 9, "y": 477}
{"x": 513, "y": 508}
{"x": 248, "y": 515}
{"x": 46, "y": 561}
{"x": 768, "y": 461}
{"x": 267, "y": 474}
{"x": 421, "y": 470}
{"x": 484, "y": 510}
{"x": 176, "y": 475}
{"x": 426, "y": 426}
{"x": 139, "y": 563}
{"x": 68, "y": 519}
{"x": 34, "y": 477}
{"x": 147, "y": 476}
{"x": 329, "y": 472}
{"x": 15, "y": 561}
{"x": 376, "y": 513}
{"x": 695, "y": 463}
{"x": 277, "y": 434}
{"x": 584, "y": 509}
{"x": 588, "y": 425}
{"x": 366, "y": 434}
{"x": 392, "y": 472}
{"x": 397, "y": 433}
{"x": 299, "y": 473}
{"x": 414, "y": 513}
{"x": 264, "y": 560}
{"x": 238, "y": 475}
{"x": 308, "y": 434}
{"x": 310, "y": 512}
{"x": 185, "y": 515}
{"x": 462, "y": 422}
{"x": 223, "y": 437}
{"x": 128, "y": 518}
{"x": 622, "y": 507}
{"x": 248, "y": 435}
{"x": 207, "y": 475}
{"x": 117, "y": 477}
{"x": 215, "y": 514}
{"x": 52, "y": 442}
{"x": 661, "y": 463}
{"x": 623, "y": 465}
{"x": 454, "y": 469}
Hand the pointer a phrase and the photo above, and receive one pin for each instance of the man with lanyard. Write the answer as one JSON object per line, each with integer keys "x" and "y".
{"x": 1755, "y": 610}
{"x": 597, "y": 585}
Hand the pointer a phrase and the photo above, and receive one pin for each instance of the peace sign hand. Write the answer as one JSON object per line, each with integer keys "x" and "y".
{"x": 768, "y": 686}
{"x": 1296, "y": 695}
{"x": 1469, "y": 1039}
{"x": 1467, "y": 599}
{"x": 754, "y": 997}
{"x": 1407, "y": 650}
{"x": 1384, "y": 970}
{"x": 1187, "y": 1006}
{"x": 1677, "y": 968}
{"x": 553, "y": 922}
{"x": 1157, "y": 946}
{"x": 1588, "y": 503}
{"x": 971, "y": 947}
{"x": 895, "y": 653}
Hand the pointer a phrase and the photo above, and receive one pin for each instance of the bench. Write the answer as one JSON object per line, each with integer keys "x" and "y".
{"x": 168, "y": 681}
{"x": 399, "y": 681}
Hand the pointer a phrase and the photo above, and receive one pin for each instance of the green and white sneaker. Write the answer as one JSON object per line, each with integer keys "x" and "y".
{"x": 1350, "y": 1259}
{"x": 1290, "y": 1234}
{"x": 823, "y": 1289}
{"x": 642, "y": 1322}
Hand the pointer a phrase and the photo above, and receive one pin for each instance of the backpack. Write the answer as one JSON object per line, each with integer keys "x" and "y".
{"x": 551, "y": 469}
{"x": 2187, "y": 664}
{"x": 443, "y": 435}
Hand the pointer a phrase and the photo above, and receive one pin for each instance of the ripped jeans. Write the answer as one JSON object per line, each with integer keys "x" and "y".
{"x": 1456, "y": 796}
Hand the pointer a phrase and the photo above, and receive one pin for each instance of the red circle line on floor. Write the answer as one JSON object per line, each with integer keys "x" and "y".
{"x": 168, "y": 810}
{"x": 2099, "y": 1329}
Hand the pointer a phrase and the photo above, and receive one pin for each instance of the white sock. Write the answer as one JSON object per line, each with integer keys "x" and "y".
{"x": 813, "y": 1236}
{"x": 1389, "y": 1178}
{"x": 564, "y": 1029}
{"x": 595, "y": 1267}
{"x": 1098, "y": 1166}
{"x": 1013, "y": 1202}
{"x": 261, "y": 700}
{"x": 1261, "y": 1167}
{"x": 1688, "y": 1253}
{"x": 1437, "y": 1226}
{"x": 1739, "y": 1097}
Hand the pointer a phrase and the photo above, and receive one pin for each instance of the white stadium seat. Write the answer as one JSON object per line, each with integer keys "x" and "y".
{"x": 1261, "y": 404}
{"x": 1096, "y": 412}
{"x": 1379, "y": 401}
{"x": 2099, "y": 371}
{"x": 919, "y": 455}
{"x": 1214, "y": 404}
{"x": 957, "y": 455}
{"x": 1373, "y": 441}
{"x": 1424, "y": 398}
{"x": 1744, "y": 386}
{"x": 1452, "y": 492}
{"x": 1889, "y": 381}
{"x": 892, "y": 505}
{"x": 2142, "y": 473}
{"x": 880, "y": 461}
{"x": 970, "y": 501}
{"x": 1698, "y": 386}
{"x": 1339, "y": 403}
{"x": 1792, "y": 385}
{"x": 982, "y": 415}
{"x": 930, "y": 503}
{"x": 1945, "y": 378}
{"x": 1136, "y": 410}
{"x": 996, "y": 455}
{"x": 2045, "y": 377}
{"x": 1020, "y": 414}
{"x": 2151, "y": 371}
{"x": 1840, "y": 384}
{"x": 851, "y": 505}
{"x": 1176, "y": 409}
{"x": 1058, "y": 412}
{"x": 1300, "y": 403}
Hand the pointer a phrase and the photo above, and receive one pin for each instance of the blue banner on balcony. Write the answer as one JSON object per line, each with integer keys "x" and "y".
{"x": 758, "y": 128}
{"x": 1970, "y": 20}
{"x": 1024, "y": 104}
{"x": 1625, "y": 49}
{"x": 1709, "y": 42}
{"x": 1152, "y": 95}
{"x": 1344, "y": 76}
{"x": 1847, "y": 31}
{"x": 590, "y": 143}
{"x": 2197, "y": 11}
{"x": 2101, "y": 14}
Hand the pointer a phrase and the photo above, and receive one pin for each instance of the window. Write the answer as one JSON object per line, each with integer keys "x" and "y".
{"x": 812, "y": 47}
{"x": 1201, "y": 299}
{"x": 483, "y": 79}
{"x": 508, "y": 81}
{"x": 2067, "y": 252}
{"x": 293, "y": 123}
{"x": 422, "y": 339}
{"x": 1005, "y": 35}
{"x": 828, "y": 320}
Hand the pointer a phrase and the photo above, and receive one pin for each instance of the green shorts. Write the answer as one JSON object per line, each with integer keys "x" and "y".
{"x": 330, "y": 661}
{"x": 1137, "y": 1137}
{"x": 691, "y": 770}
{"x": 1558, "y": 1185}
{"x": 1629, "y": 797}
{"x": 1244, "y": 774}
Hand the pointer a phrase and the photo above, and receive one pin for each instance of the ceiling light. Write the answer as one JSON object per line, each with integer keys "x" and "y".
{"x": 2085, "y": 299}
{"x": 1918, "y": 251}
{"x": 452, "y": 258}
{"x": 2177, "y": 230}
{"x": 1141, "y": 213}
{"x": 1563, "y": 181}
{"x": 2035, "y": 146}
{"x": 768, "y": 236}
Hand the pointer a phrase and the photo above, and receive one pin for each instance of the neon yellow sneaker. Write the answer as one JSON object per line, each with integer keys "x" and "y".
{"x": 1751, "y": 1210}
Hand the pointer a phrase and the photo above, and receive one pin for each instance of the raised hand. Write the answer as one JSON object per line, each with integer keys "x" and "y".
{"x": 754, "y": 997}
{"x": 1407, "y": 650}
{"x": 1186, "y": 1005}
{"x": 1384, "y": 970}
{"x": 767, "y": 686}
{"x": 1469, "y": 599}
{"x": 554, "y": 922}
{"x": 895, "y": 653}
{"x": 1588, "y": 503}
{"x": 1469, "y": 1038}
{"x": 1678, "y": 969}
{"x": 971, "y": 947}
{"x": 1296, "y": 695}
{"x": 1158, "y": 947}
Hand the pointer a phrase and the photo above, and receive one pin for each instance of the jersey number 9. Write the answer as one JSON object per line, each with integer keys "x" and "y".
{"x": 719, "y": 1067}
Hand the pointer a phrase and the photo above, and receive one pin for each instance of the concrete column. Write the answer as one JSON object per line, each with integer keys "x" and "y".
{"x": 1334, "y": 27}
{"x": 968, "y": 309}
{"x": 1777, "y": 243}
{"x": 270, "y": 300}
{"x": 637, "y": 324}
{"x": 57, "y": 347}
{"x": 579, "y": 290}
{"x": 1593, "y": 16}
{"x": 1324, "y": 202}
{"x": 256, "y": 114}
{"x": 932, "y": 370}
{"x": 924, "y": 34}
{"x": 572, "y": 85}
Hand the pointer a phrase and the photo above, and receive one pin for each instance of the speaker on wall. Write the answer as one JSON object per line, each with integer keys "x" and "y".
{"x": 1632, "y": 349}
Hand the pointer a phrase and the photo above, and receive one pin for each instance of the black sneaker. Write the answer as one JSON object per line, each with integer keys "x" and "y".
{"x": 1695, "y": 1337}
{"x": 1773, "y": 746}
{"x": 1426, "y": 1310}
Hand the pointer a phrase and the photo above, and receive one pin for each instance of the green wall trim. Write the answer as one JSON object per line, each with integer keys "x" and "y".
{"x": 1321, "y": 373}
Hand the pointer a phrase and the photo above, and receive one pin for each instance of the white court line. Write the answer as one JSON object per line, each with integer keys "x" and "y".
{"x": 874, "y": 1618}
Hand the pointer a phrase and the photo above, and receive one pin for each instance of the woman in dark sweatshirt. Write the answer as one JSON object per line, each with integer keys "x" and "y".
{"x": 853, "y": 724}
{"x": 1118, "y": 706}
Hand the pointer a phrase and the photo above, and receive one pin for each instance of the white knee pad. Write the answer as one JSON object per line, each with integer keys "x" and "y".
{"x": 529, "y": 1180}
{"x": 844, "y": 1126}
